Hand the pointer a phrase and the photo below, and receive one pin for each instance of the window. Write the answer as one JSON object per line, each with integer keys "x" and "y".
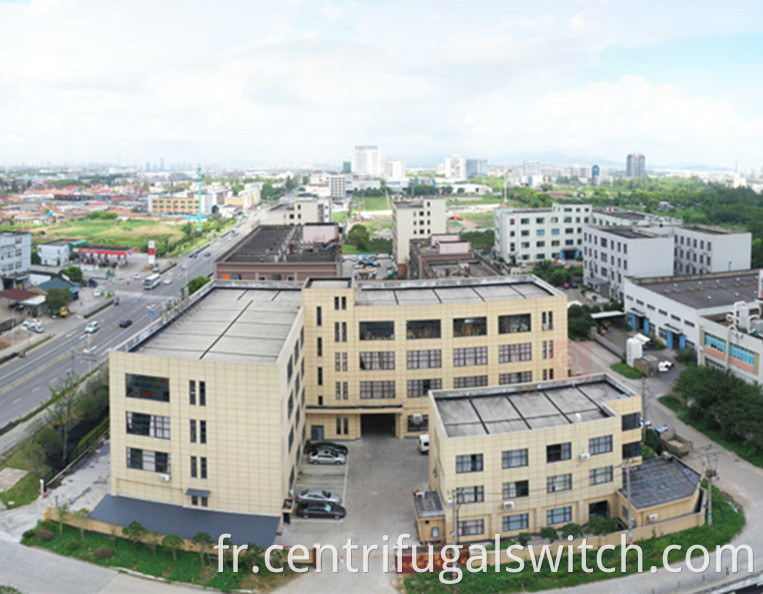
{"x": 470, "y": 356}
{"x": 469, "y": 463}
{"x": 419, "y": 388}
{"x": 519, "y": 377}
{"x": 147, "y": 387}
{"x": 516, "y": 522}
{"x": 509, "y": 353}
{"x": 202, "y": 393}
{"x": 318, "y": 316}
{"x": 373, "y": 390}
{"x": 471, "y": 527}
{"x": 202, "y": 432}
{"x": 741, "y": 354}
{"x": 601, "y": 475}
{"x": 138, "y": 459}
{"x": 515, "y": 323}
{"x": 415, "y": 329}
{"x": 192, "y": 392}
{"x": 558, "y": 452}
{"x": 600, "y": 445}
{"x": 320, "y": 347}
{"x": 148, "y": 425}
{"x": 320, "y": 376}
{"x": 560, "y": 515}
{"x": 193, "y": 431}
{"x": 472, "y": 381}
{"x": 202, "y": 467}
{"x": 430, "y": 359}
{"x": 199, "y": 500}
{"x": 560, "y": 482}
{"x": 289, "y": 369}
{"x": 194, "y": 467}
{"x": 632, "y": 450}
{"x": 469, "y": 327}
{"x": 474, "y": 494}
{"x": 344, "y": 302}
{"x": 337, "y": 332}
{"x": 418, "y": 423}
{"x": 516, "y": 489}
{"x": 336, "y": 303}
{"x": 377, "y": 330}
{"x": 548, "y": 349}
{"x": 377, "y": 360}
{"x": 631, "y": 421}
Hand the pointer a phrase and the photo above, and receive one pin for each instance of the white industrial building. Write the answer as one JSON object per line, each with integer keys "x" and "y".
{"x": 610, "y": 254}
{"x": 15, "y": 259}
{"x": 700, "y": 249}
{"x": 672, "y": 307}
{"x": 55, "y": 253}
{"x": 337, "y": 186}
{"x": 415, "y": 219}
{"x": 455, "y": 168}
{"x": 534, "y": 234}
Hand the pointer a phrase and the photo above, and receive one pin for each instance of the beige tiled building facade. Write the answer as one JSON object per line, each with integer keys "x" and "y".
{"x": 511, "y": 459}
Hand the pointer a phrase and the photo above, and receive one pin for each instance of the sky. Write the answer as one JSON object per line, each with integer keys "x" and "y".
{"x": 300, "y": 82}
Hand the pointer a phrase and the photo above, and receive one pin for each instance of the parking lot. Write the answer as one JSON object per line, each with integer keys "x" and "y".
{"x": 384, "y": 261}
{"x": 376, "y": 487}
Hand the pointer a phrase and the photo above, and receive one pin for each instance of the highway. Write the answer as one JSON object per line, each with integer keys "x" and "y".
{"x": 24, "y": 383}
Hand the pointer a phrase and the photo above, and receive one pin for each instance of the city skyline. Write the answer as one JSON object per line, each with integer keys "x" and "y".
{"x": 82, "y": 82}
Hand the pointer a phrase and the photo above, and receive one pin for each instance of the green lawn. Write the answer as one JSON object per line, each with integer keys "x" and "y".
{"x": 626, "y": 370}
{"x": 22, "y": 493}
{"x": 375, "y": 203}
{"x": 746, "y": 452}
{"x": 187, "y": 568}
{"x": 727, "y": 522}
{"x": 481, "y": 219}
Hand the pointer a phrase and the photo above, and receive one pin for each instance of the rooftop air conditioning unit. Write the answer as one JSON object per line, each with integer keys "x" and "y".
{"x": 508, "y": 505}
{"x": 585, "y": 456}
{"x": 417, "y": 418}
{"x": 652, "y": 517}
{"x": 165, "y": 477}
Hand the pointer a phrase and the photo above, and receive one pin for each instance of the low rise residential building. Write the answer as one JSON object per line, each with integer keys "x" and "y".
{"x": 283, "y": 252}
{"x": 337, "y": 186}
{"x": 535, "y": 234}
{"x": 511, "y": 459}
{"x": 299, "y": 212}
{"x": 15, "y": 259}
{"x": 673, "y": 308}
{"x": 55, "y": 253}
{"x": 611, "y": 254}
{"x": 415, "y": 219}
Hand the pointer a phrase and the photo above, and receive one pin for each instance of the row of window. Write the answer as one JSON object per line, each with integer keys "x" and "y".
{"x": 515, "y": 522}
{"x": 516, "y": 458}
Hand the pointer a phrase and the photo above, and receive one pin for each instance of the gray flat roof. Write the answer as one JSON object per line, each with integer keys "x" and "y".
{"x": 701, "y": 291}
{"x": 464, "y": 290}
{"x": 185, "y": 522}
{"x": 623, "y": 214}
{"x": 659, "y": 481}
{"x": 279, "y": 243}
{"x": 710, "y": 230}
{"x": 232, "y": 325}
{"x": 428, "y": 505}
{"x": 415, "y": 203}
{"x": 524, "y": 407}
{"x": 476, "y": 268}
{"x": 628, "y": 232}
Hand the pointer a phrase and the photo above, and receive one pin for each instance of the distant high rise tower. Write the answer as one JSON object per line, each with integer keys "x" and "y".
{"x": 161, "y": 164}
{"x": 346, "y": 166}
{"x": 148, "y": 166}
{"x": 367, "y": 160}
{"x": 635, "y": 166}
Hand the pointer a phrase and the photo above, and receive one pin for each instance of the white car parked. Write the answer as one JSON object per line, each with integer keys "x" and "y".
{"x": 92, "y": 327}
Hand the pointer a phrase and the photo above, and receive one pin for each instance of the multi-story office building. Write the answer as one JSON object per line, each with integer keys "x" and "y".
{"x": 700, "y": 249}
{"x": 338, "y": 186}
{"x": 534, "y": 234}
{"x": 415, "y": 219}
{"x": 394, "y": 169}
{"x": 208, "y": 414}
{"x": 476, "y": 167}
{"x": 511, "y": 459}
{"x": 635, "y": 166}
{"x": 375, "y": 349}
{"x": 366, "y": 160}
{"x": 299, "y": 212}
{"x": 619, "y": 217}
{"x": 673, "y": 308}
{"x": 610, "y": 254}
{"x": 180, "y": 204}
{"x": 283, "y": 252}
{"x": 15, "y": 259}
{"x": 455, "y": 168}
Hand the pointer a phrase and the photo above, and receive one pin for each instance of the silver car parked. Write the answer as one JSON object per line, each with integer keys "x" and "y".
{"x": 318, "y": 496}
{"x": 326, "y": 457}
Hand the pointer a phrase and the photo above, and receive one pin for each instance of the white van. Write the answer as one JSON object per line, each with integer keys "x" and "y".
{"x": 424, "y": 443}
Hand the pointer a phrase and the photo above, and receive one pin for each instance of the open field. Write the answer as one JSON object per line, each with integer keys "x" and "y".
{"x": 131, "y": 233}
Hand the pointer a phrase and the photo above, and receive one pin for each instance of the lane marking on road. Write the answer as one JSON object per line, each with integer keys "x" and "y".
{"x": 17, "y": 400}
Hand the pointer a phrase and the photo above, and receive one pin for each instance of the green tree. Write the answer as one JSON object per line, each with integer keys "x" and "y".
{"x": 57, "y": 298}
{"x": 549, "y": 533}
{"x": 197, "y": 283}
{"x": 36, "y": 258}
{"x": 64, "y": 395}
{"x": 203, "y": 540}
{"x": 82, "y": 514}
{"x": 173, "y": 543}
{"x": 135, "y": 531}
{"x": 63, "y": 513}
{"x": 571, "y": 529}
{"x": 74, "y": 273}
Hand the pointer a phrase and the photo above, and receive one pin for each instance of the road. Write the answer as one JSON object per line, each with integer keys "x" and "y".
{"x": 24, "y": 383}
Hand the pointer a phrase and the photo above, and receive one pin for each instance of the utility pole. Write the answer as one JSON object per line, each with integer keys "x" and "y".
{"x": 711, "y": 464}
{"x": 627, "y": 464}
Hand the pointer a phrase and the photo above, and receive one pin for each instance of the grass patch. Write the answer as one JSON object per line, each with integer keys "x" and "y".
{"x": 626, "y": 370}
{"x": 340, "y": 217}
{"x": 727, "y": 522}
{"x": 373, "y": 203}
{"x": 22, "y": 493}
{"x": 350, "y": 249}
{"x": 481, "y": 219}
{"x": 138, "y": 557}
{"x": 747, "y": 452}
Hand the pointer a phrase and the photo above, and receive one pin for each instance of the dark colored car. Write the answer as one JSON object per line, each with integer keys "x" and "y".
{"x": 92, "y": 282}
{"x": 330, "y": 511}
{"x": 125, "y": 323}
{"x": 326, "y": 445}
